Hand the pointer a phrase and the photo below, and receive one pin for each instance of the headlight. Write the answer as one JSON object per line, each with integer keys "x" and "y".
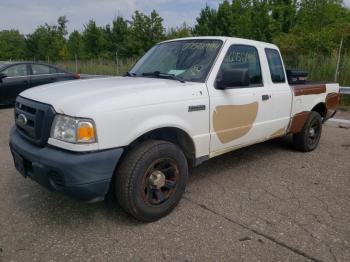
{"x": 73, "y": 130}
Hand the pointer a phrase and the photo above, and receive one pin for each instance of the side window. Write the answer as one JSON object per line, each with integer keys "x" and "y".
{"x": 276, "y": 66}
{"x": 16, "y": 70}
{"x": 243, "y": 57}
{"x": 40, "y": 69}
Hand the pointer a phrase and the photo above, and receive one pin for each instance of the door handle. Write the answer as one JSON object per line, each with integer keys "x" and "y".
{"x": 265, "y": 97}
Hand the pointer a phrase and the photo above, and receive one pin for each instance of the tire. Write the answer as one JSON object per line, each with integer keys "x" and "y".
{"x": 309, "y": 137}
{"x": 151, "y": 180}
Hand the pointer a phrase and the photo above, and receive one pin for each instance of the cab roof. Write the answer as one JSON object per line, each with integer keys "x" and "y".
{"x": 226, "y": 38}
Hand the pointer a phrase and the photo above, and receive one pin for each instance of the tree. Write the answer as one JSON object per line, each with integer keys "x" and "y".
{"x": 178, "y": 32}
{"x": 119, "y": 37}
{"x": 224, "y": 19}
{"x": 314, "y": 15}
{"x": 64, "y": 53}
{"x": 145, "y": 31}
{"x": 93, "y": 39}
{"x": 45, "y": 43}
{"x": 156, "y": 27}
{"x": 242, "y": 18}
{"x": 62, "y": 25}
{"x": 284, "y": 14}
{"x": 12, "y": 45}
{"x": 261, "y": 22}
{"x": 206, "y": 23}
{"x": 297, "y": 26}
{"x": 320, "y": 24}
{"x": 75, "y": 45}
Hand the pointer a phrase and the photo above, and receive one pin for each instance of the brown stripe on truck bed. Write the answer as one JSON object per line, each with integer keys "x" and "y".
{"x": 309, "y": 89}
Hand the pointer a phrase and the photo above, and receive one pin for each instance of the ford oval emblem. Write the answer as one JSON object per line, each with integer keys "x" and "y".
{"x": 22, "y": 119}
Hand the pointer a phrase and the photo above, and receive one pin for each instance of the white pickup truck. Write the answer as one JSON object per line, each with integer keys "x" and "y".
{"x": 184, "y": 102}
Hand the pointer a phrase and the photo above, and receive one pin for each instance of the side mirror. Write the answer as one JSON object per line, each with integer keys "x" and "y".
{"x": 233, "y": 78}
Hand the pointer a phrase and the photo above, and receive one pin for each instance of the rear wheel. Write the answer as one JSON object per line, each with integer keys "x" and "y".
{"x": 308, "y": 139}
{"x": 151, "y": 180}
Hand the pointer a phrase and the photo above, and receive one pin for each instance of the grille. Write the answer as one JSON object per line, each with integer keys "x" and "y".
{"x": 33, "y": 120}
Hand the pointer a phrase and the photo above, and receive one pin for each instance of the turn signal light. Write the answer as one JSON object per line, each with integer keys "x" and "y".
{"x": 85, "y": 132}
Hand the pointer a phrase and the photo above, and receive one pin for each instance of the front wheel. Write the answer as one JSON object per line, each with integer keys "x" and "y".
{"x": 309, "y": 137}
{"x": 151, "y": 180}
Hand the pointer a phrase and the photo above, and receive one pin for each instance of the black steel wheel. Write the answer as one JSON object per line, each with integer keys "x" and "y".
{"x": 151, "y": 180}
{"x": 160, "y": 181}
{"x": 309, "y": 137}
{"x": 314, "y": 133}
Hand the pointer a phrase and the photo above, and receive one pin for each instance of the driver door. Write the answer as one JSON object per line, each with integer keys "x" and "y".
{"x": 239, "y": 115}
{"x": 17, "y": 80}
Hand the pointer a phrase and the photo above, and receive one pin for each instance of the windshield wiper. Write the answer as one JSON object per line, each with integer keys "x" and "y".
{"x": 130, "y": 74}
{"x": 164, "y": 75}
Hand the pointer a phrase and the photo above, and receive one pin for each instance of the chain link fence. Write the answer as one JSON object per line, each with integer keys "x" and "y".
{"x": 98, "y": 66}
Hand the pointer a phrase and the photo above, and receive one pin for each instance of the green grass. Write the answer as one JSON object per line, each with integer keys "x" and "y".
{"x": 321, "y": 68}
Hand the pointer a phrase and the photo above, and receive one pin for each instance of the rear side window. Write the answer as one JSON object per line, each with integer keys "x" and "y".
{"x": 53, "y": 70}
{"x": 276, "y": 66}
{"x": 244, "y": 57}
{"x": 60, "y": 71}
{"x": 40, "y": 69}
{"x": 16, "y": 70}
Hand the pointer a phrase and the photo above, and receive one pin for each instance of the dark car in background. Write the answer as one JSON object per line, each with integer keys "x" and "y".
{"x": 16, "y": 77}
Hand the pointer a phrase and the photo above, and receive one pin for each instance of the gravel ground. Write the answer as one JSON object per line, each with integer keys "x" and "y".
{"x": 342, "y": 115}
{"x": 263, "y": 203}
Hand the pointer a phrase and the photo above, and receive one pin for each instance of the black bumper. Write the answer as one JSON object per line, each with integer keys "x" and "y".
{"x": 84, "y": 176}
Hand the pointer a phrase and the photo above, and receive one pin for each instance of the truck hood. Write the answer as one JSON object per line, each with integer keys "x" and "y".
{"x": 81, "y": 97}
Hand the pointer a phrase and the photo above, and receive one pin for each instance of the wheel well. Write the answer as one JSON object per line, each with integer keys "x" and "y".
{"x": 321, "y": 109}
{"x": 173, "y": 135}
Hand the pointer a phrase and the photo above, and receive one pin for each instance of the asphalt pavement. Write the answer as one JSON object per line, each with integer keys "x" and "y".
{"x": 266, "y": 202}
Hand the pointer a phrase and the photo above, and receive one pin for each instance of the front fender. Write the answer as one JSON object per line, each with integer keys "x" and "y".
{"x": 120, "y": 128}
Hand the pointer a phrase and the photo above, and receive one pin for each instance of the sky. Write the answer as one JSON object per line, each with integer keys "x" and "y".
{"x": 26, "y": 15}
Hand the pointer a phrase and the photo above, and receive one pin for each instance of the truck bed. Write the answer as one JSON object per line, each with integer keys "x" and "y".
{"x": 306, "y": 94}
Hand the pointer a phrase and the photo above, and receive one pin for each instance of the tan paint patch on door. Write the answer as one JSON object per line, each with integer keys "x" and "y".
{"x": 234, "y": 121}
{"x": 278, "y": 133}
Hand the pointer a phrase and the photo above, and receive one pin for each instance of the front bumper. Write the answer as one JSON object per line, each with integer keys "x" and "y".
{"x": 84, "y": 176}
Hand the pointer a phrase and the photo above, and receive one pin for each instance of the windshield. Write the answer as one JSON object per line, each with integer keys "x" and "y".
{"x": 188, "y": 60}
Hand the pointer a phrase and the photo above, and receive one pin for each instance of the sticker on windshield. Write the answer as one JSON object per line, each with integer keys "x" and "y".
{"x": 196, "y": 69}
{"x": 201, "y": 46}
{"x": 176, "y": 72}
